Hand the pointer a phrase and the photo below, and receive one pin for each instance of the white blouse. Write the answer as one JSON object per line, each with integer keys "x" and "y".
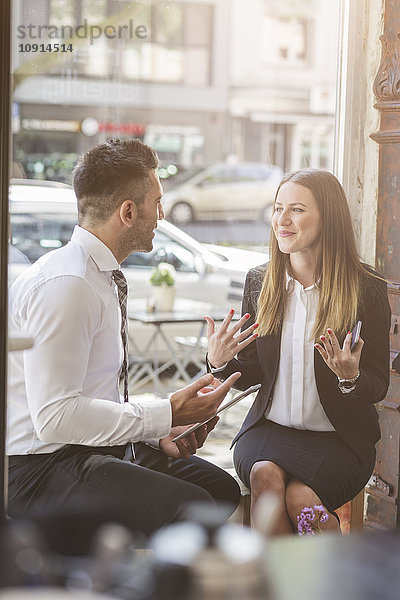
{"x": 295, "y": 400}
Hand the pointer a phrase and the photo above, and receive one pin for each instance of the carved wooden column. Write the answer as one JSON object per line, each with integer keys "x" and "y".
{"x": 383, "y": 505}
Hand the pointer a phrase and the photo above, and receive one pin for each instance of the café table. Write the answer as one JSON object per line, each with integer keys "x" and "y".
{"x": 146, "y": 366}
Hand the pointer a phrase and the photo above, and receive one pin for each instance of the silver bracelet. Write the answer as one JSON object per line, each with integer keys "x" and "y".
{"x": 346, "y": 390}
{"x": 350, "y": 381}
{"x": 348, "y": 385}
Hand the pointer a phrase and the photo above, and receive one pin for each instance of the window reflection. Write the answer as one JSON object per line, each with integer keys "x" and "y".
{"x": 178, "y": 49}
{"x": 285, "y": 40}
{"x": 62, "y": 12}
{"x": 37, "y": 228}
{"x": 35, "y": 234}
{"x": 214, "y": 86}
{"x": 165, "y": 250}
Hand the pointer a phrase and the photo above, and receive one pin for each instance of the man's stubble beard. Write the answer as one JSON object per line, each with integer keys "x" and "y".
{"x": 136, "y": 241}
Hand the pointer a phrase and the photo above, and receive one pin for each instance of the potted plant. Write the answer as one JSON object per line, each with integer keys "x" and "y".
{"x": 162, "y": 280}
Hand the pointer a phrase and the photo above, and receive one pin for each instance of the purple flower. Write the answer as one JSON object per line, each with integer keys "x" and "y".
{"x": 310, "y": 519}
{"x": 324, "y": 518}
{"x": 304, "y": 522}
{"x": 308, "y": 513}
{"x": 305, "y": 529}
{"x": 322, "y": 513}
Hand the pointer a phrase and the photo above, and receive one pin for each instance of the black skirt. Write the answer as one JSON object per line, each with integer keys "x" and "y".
{"x": 320, "y": 459}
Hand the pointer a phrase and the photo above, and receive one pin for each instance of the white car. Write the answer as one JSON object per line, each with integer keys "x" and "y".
{"x": 43, "y": 215}
{"x": 242, "y": 191}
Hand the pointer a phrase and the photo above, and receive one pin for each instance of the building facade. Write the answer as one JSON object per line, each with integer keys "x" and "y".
{"x": 162, "y": 78}
{"x": 202, "y": 81}
{"x": 283, "y": 81}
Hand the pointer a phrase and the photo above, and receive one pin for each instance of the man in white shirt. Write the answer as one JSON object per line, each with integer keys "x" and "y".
{"x": 69, "y": 429}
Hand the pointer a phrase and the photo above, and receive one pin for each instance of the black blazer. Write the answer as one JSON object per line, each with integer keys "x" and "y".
{"x": 353, "y": 415}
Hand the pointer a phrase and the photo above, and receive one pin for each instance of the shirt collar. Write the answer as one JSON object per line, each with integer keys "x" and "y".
{"x": 101, "y": 254}
{"x": 291, "y": 283}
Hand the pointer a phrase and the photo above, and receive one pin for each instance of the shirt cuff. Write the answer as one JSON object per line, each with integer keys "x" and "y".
{"x": 153, "y": 442}
{"x": 157, "y": 419}
{"x": 215, "y": 369}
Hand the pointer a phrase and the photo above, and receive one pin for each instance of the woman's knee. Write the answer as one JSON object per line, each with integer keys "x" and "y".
{"x": 266, "y": 475}
{"x": 299, "y": 495}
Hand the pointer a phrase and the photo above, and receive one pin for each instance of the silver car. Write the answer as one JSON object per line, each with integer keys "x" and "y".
{"x": 243, "y": 191}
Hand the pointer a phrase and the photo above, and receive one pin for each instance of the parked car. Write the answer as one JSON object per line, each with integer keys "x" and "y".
{"x": 43, "y": 215}
{"x": 242, "y": 191}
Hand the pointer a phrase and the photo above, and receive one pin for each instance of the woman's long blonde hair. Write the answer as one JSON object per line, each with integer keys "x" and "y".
{"x": 339, "y": 274}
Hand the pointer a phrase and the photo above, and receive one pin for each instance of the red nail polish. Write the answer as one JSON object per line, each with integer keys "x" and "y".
{"x": 329, "y": 330}
{"x": 231, "y": 311}
{"x": 247, "y": 315}
{"x": 255, "y": 325}
{"x": 349, "y": 333}
{"x": 255, "y": 335}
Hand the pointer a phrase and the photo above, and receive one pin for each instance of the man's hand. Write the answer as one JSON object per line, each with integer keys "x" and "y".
{"x": 189, "y": 444}
{"x": 200, "y": 400}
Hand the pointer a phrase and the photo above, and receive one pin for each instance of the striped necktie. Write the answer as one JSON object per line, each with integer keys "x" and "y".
{"x": 122, "y": 287}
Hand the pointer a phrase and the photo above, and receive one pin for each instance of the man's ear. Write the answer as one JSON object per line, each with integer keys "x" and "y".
{"x": 128, "y": 212}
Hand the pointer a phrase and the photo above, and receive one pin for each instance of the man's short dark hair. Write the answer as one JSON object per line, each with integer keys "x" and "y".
{"x": 110, "y": 173}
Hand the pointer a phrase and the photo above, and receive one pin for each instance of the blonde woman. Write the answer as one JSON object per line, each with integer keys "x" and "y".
{"x": 310, "y": 435}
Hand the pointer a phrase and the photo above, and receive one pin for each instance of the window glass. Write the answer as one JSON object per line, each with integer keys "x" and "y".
{"x": 216, "y": 86}
{"x": 230, "y": 94}
{"x": 285, "y": 40}
{"x": 167, "y": 23}
{"x": 251, "y": 173}
{"x": 61, "y": 12}
{"x": 224, "y": 175}
{"x": 197, "y": 26}
{"x": 165, "y": 250}
{"x": 34, "y": 233}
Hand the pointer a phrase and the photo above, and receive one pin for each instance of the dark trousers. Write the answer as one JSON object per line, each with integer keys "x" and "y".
{"x": 143, "y": 495}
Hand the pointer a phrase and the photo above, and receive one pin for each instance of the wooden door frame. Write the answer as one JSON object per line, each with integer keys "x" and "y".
{"x": 5, "y": 38}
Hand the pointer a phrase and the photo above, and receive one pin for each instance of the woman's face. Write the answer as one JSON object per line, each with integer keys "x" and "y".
{"x": 296, "y": 221}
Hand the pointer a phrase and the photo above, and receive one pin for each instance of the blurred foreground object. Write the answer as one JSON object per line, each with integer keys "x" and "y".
{"x": 223, "y": 560}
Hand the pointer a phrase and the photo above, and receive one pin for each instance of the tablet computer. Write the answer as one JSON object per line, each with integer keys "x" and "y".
{"x": 228, "y": 404}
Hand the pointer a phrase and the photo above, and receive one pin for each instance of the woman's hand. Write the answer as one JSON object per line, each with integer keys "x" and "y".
{"x": 342, "y": 361}
{"x": 225, "y": 343}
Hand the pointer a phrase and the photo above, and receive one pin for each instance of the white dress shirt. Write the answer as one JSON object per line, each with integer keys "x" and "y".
{"x": 295, "y": 400}
{"x": 65, "y": 389}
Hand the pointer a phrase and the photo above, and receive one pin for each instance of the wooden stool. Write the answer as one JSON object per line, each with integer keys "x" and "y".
{"x": 351, "y": 514}
{"x": 242, "y": 513}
